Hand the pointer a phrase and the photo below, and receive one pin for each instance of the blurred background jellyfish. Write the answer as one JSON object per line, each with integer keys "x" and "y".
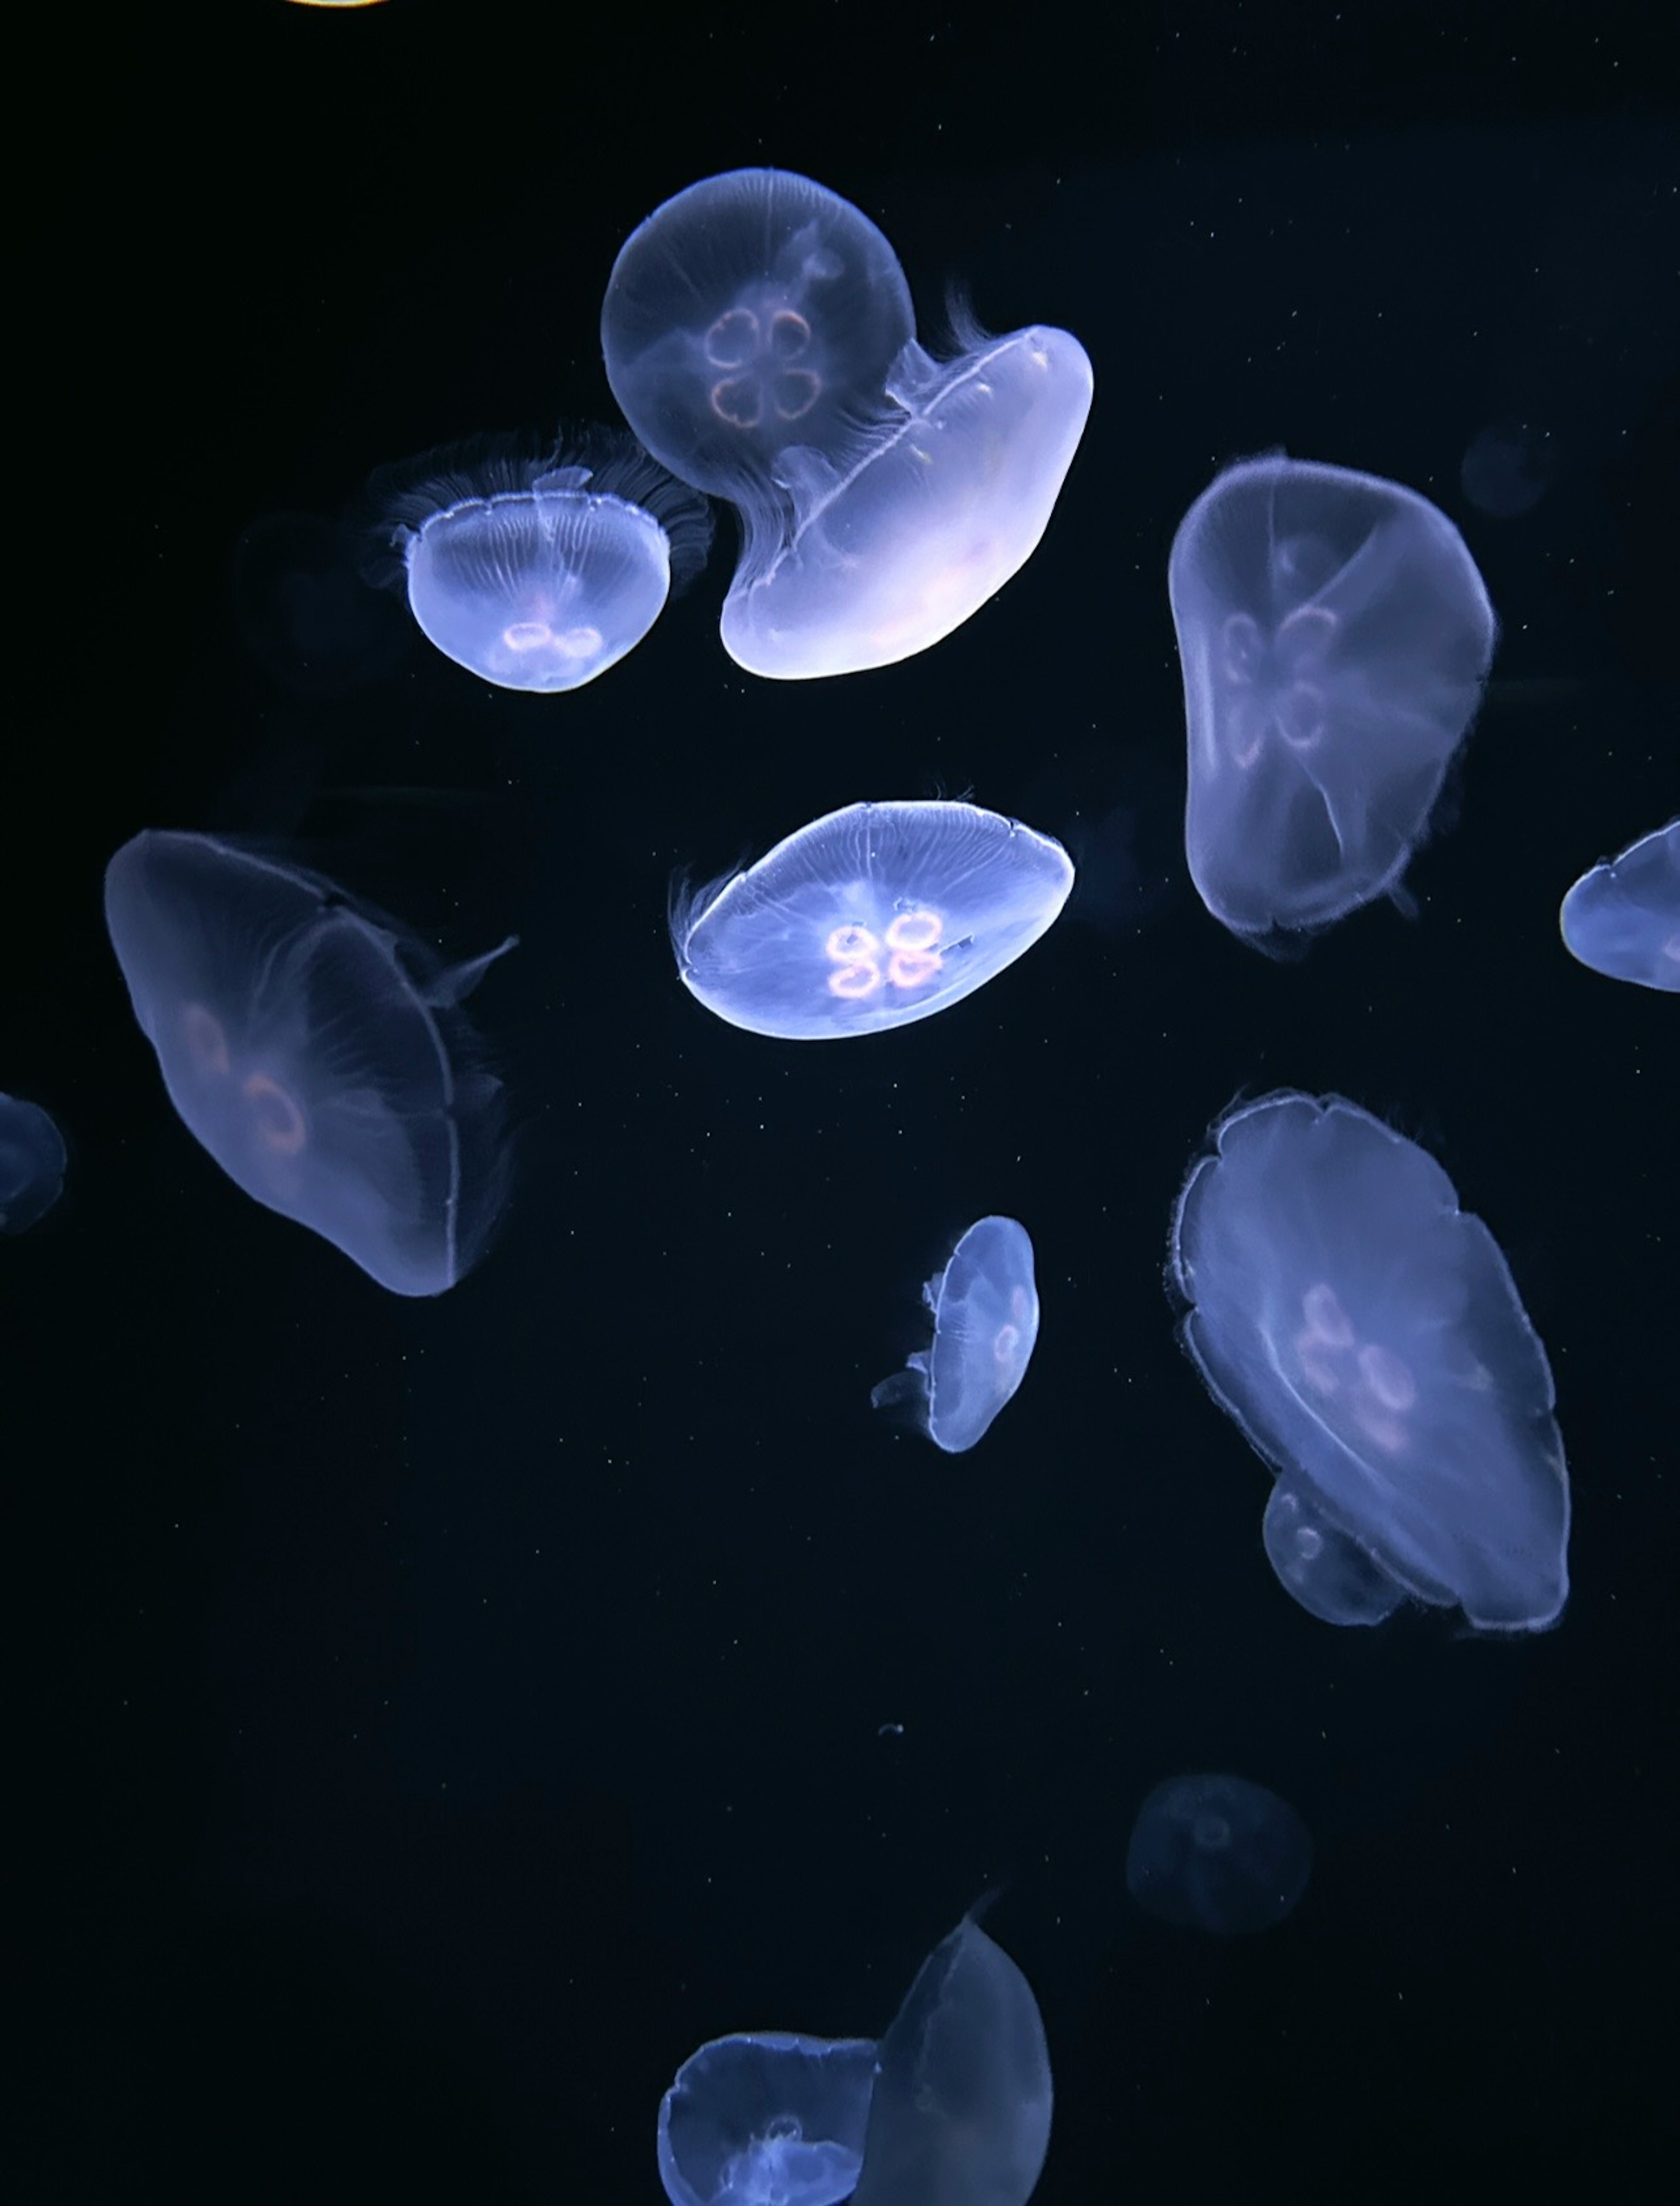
{"x": 1367, "y": 1337}
{"x": 760, "y": 337}
{"x": 869, "y": 919}
{"x": 985, "y": 1321}
{"x": 32, "y": 1159}
{"x": 767, "y": 2119}
{"x": 307, "y": 614}
{"x": 961, "y": 2111}
{"x": 316, "y": 1050}
{"x": 1335, "y": 637}
{"x": 1623, "y": 918}
{"x": 1216, "y": 1853}
{"x": 538, "y": 573}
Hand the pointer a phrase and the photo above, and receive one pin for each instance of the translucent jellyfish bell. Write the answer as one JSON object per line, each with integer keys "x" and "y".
{"x": 768, "y": 2119}
{"x": 317, "y": 1052}
{"x": 758, "y": 335}
{"x": 894, "y": 545}
{"x": 1366, "y": 1337}
{"x": 32, "y": 1164}
{"x": 754, "y": 313}
{"x": 1329, "y": 1574}
{"x": 1335, "y": 637}
{"x": 1216, "y": 1853}
{"x": 540, "y": 574}
{"x": 1623, "y": 918}
{"x": 986, "y": 1324}
{"x": 869, "y": 919}
{"x": 961, "y": 2111}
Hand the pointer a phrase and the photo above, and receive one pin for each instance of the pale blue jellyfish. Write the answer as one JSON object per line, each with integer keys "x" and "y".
{"x": 985, "y": 1321}
{"x": 1216, "y": 1853}
{"x": 768, "y": 2119}
{"x": 316, "y": 1050}
{"x": 1366, "y": 1337}
{"x": 539, "y": 572}
{"x": 32, "y": 1164}
{"x": 868, "y": 919}
{"x": 961, "y": 2111}
{"x": 760, "y": 337}
{"x": 1623, "y": 918}
{"x": 1329, "y": 1574}
{"x": 1335, "y": 637}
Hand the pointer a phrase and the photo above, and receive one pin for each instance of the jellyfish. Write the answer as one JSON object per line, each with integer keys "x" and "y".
{"x": 985, "y": 1321}
{"x": 1367, "y": 1337}
{"x": 961, "y": 2111}
{"x": 32, "y": 1164}
{"x": 316, "y": 1050}
{"x": 760, "y": 341}
{"x": 1330, "y": 1575}
{"x": 1623, "y": 918}
{"x": 1335, "y": 636}
{"x": 538, "y": 572}
{"x": 768, "y": 2119}
{"x": 1217, "y": 1853}
{"x": 869, "y": 919}
{"x": 307, "y": 614}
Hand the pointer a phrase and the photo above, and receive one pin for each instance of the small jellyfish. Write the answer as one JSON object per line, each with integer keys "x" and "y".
{"x": 869, "y": 919}
{"x": 538, "y": 573}
{"x": 1507, "y": 469}
{"x": 32, "y": 1164}
{"x": 316, "y": 1051}
{"x": 1366, "y": 1337}
{"x": 1216, "y": 1853}
{"x": 961, "y": 2111}
{"x": 1329, "y": 1574}
{"x": 1335, "y": 637}
{"x": 768, "y": 2119}
{"x": 760, "y": 338}
{"x": 985, "y": 1321}
{"x": 1623, "y": 918}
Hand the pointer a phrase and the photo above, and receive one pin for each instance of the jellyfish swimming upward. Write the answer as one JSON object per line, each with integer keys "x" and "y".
{"x": 1623, "y": 918}
{"x": 869, "y": 919}
{"x": 316, "y": 1050}
{"x": 539, "y": 573}
{"x": 1335, "y": 636}
{"x": 760, "y": 337}
{"x": 985, "y": 1325}
{"x": 1366, "y": 1337}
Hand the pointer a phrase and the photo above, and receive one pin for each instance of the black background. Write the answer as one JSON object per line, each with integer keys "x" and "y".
{"x": 451, "y": 1714}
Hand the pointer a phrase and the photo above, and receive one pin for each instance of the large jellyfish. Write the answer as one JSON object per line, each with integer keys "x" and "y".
{"x": 538, "y": 572}
{"x": 1623, "y": 918}
{"x": 1335, "y": 637}
{"x": 767, "y": 2119}
{"x": 316, "y": 1051}
{"x": 868, "y": 918}
{"x": 1217, "y": 1853}
{"x": 985, "y": 1321}
{"x": 32, "y": 1164}
{"x": 760, "y": 337}
{"x": 961, "y": 2111}
{"x": 1366, "y": 1337}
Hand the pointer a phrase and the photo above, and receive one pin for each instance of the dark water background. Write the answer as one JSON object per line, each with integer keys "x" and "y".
{"x": 452, "y": 1713}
